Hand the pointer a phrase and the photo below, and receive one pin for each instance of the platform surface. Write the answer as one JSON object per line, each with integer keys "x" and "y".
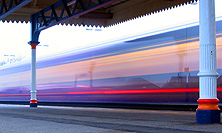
{"x": 48, "y": 119}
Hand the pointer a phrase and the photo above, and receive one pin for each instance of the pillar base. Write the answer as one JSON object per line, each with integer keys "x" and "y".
{"x": 33, "y": 103}
{"x": 208, "y": 116}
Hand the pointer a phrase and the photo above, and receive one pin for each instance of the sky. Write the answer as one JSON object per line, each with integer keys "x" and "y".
{"x": 15, "y": 36}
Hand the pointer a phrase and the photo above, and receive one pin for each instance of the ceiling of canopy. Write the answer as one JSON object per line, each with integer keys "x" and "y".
{"x": 114, "y": 13}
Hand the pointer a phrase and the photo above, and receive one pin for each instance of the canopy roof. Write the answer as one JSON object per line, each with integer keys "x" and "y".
{"x": 116, "y": 12}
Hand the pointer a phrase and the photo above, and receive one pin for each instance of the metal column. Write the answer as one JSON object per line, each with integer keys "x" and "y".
{"x": 208, "y": 111}
{"x": 33, "y": 100}
{"x": 34, "y": 42}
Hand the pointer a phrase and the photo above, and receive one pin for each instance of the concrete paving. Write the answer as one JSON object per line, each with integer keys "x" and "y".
{"x": 46, "y": 119}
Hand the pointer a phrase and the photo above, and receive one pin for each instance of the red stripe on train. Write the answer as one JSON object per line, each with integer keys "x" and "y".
{"x": 176, "y": 90}
{"x": 139, "y": 91}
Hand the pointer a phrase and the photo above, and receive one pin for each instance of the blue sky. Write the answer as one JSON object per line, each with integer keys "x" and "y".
{"x": 14, "y": 36}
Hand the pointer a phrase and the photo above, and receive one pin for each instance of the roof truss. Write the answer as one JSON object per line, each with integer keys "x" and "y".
{"x": 64, "y": 10}
{"x": 13, "y": 6}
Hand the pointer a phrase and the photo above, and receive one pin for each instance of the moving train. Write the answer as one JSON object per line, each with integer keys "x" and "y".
{"x": 160, "y": 68}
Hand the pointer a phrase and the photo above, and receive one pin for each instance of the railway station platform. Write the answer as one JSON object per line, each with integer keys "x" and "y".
{"x": 47, "y": 119}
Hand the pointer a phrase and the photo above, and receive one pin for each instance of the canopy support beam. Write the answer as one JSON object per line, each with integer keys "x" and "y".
{"x": 69, "y": 11}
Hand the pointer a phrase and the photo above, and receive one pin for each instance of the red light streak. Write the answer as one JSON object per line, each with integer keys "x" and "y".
{"x": 176, "y": 90}
{"x": 138, "y": 91}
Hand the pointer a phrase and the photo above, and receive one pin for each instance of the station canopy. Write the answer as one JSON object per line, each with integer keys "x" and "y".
{"x": 117, "y": 11}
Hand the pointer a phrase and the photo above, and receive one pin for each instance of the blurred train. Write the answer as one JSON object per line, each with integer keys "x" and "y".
{"x": 159, "y": 68}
